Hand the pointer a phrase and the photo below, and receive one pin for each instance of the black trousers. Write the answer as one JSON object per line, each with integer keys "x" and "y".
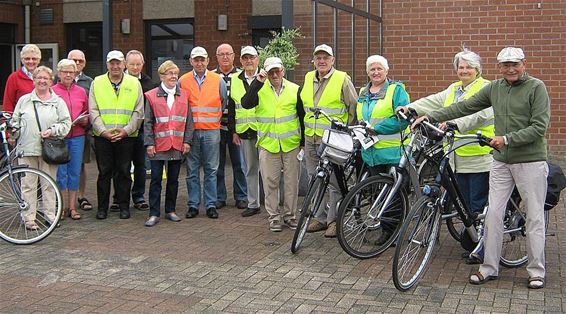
{"x": 113, "y": 157}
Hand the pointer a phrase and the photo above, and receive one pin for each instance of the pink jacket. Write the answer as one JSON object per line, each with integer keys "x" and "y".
{"x": 77, "y": 102}
{"x": 17, "y": 85}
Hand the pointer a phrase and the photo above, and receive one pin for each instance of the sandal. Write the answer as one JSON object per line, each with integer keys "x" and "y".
{"x": 536, "y": 283}
{"x": 84, "y": 204}
{"x": 31, "y": 226}
{"x": 75, "y": 215}
{"x": 479, "y": 279}
{"x": 141, "y": 206}
{"x": 64, "y": 214}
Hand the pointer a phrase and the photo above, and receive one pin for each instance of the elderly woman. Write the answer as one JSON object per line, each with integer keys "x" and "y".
{"x": 168, "y": 132}
{"x": 54, "y": 122}
{"x": 376, "y": 105}
{"x": 20, "y": 82}
{"x": 75, "y": 97}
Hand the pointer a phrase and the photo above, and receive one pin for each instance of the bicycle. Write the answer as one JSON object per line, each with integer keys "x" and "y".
{"x": 371, "y": 214}
{"x": 340, "y": 154}
{"x": 419, "y": 232}
{"x": 13, "y": 203}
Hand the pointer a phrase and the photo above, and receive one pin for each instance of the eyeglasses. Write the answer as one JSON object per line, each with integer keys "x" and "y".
{"x": 78, "y": 61}
{"x": 224, "y": 55}
{"x": 248, "y": 57}
{"x": 169, "y": 73}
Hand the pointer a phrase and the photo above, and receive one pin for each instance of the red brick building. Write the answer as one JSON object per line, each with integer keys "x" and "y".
{"x": 419, "y": 38}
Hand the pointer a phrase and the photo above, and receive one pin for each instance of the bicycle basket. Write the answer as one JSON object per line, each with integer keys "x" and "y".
{"x": 338, "y": 146}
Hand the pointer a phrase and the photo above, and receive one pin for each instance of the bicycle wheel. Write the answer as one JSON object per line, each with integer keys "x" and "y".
{"x": 454, "y": 224}
{"x": 416, "y": 242}
{"x": 514, "y": 248}
{"x": 311, "y": 205}
{"x": 28, "y": 215}
{"x": 360, "y": 233}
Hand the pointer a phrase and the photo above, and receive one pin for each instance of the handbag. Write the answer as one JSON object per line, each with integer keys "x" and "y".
{"x": 54, "y": 150}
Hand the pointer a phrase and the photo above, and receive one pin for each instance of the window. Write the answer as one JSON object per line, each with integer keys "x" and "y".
{"x": 168, "y": 40}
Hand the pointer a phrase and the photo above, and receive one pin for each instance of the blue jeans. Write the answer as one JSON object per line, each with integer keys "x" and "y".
{"x": 68, "y": 175}
{"x": 240, "y": 186}
{"x": 171, "y": 188}
{"x": 203, "y": 153}
{"x": 475, "y": 189}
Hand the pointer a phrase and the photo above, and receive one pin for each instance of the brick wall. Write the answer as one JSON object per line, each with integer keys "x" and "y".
{"x": 206, "y": 33}
{"x": 132, "y": 10}
{"x": 52, "y": 33}
{"x": 13, "y": 14}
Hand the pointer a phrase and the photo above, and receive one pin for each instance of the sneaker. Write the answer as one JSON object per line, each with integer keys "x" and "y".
{"x": 316, "y": 226}
{"x": 291, "y": 223}
{"x": 331, "y": 230}
{"x": 275, "y": 226}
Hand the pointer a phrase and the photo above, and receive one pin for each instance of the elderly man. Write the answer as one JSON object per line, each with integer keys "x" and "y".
{"x": 116, "y": 112}
{"x": 226, "y": 69}
{"x": 243, "y": 126}
{"x": 134, "y": 67}
{"x": 207, "y": 97}
{"x": 20, "y": 81}
{"x": 522, "y": 112}
{"x": 333, "y": 92}
{"x": 280, "y": 128}
{"x": 83, "y": 81}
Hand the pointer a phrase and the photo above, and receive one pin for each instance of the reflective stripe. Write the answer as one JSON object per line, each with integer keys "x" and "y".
{"x": 245, "y": 120}
{"x": 389, "y": 137}
{"x": 119, "y": 125}
{"x": 169, "y": 133}
{"x": 279, "y": 136}
{"x": 173, "y": 118}
{"x": 206, "y": 109}
{"x": 375, "y": 121}
{"x": 116, "y": 111}
{"x": 489, "y": 122}
{"x": 202, "y": 119}
{"x": 322, "y": 126}
{"x": 276, "y": 120}
{"x": 330, "y": 111}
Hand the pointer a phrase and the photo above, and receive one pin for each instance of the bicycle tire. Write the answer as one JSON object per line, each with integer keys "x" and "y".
{"x": 12, "y": 222}
{"x": 360, "y": 235}
{"x": 418, "y": 236}
{"x": 453, "y": 224}
{"x": 514, "y": 247}
{"x": 311, "y": 204}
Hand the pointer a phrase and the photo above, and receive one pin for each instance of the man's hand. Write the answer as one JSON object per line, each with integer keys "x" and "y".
{"x": 261, "y": 76}
{"x": 418, "y": 121}
{"x": 118, "y": 134}
{"x": 186, "y": 148}
{"x": 107, "y": 134}
{"x": 236, "y": 139}
{"x": 403, "y": 109}
{"x": 497, "y": 142}
{"x": 150, "y": 151}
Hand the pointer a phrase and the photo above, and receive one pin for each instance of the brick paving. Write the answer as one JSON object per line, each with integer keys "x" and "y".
{"x": 236, "y": 265}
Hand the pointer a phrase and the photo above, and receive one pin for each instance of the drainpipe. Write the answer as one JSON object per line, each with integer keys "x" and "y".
{"x": 27, "y": 21}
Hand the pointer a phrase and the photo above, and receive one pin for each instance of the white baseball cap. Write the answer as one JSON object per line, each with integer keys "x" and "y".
{"x": 324, "y": 48}
{"x": 115, "y": 55}
{"x": 248, "y": 50}
{"x": 510, "y": 54}
{"x": 198, "y": 52}
{"x": 271, "y": 63}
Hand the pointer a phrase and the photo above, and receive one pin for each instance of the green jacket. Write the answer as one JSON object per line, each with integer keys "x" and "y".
{"x": 522, "y": 114}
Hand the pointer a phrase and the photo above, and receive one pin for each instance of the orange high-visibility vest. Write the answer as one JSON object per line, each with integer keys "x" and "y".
{"x": 169, "y": 127}
{"x": 205, "y": 101}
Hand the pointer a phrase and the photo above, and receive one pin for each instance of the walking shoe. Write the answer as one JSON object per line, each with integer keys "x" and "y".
{"x": 101, "y": 214}
{"x": 220, "y": 204}
{"x": 192, "y": 212}
{"x": 331, "y": 230}
{"x": 115, "y": 207}
{"x": 173, "y": 217}
{"x": 152, "y": 221}
{"x": 316, "y": 226}
{"x": 212, "y": 213}
{"x": 291, "y": 223}
{"x": 241, "y": 204}
{"x": 250, "y": 212}
{"x": 125, "y": 214}
{"x": 275, "y": 226}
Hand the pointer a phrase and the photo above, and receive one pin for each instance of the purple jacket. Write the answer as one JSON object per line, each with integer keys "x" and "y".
{"x": 77, "y": 102}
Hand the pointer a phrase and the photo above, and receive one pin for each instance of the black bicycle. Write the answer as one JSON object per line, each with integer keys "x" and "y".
{"x": 25, "y": 220}
{"x": 340, "y": 155}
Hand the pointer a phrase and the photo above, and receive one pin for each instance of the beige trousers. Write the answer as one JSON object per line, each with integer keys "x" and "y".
{"x": 30, "y": 189}
{"x": 530, "y": 179}
{"x": 271, "y": 166}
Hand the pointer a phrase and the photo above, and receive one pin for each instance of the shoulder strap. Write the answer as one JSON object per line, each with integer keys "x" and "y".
{"x": 36, "y": 116}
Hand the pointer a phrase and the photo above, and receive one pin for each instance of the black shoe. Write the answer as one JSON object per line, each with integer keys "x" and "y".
{"x": 114, "y": 207}
{"x": 241, "y": 204}
{"x": 192, "y": 212}
{"x": 250, "y": 212}
{"x": 212, "y": 213}
{"x": 125, "y": 214}
{"x": 465, "y": 255}
{"x": 220, "y": 204}
{"x": 473, "y": 261}
{"x": 101, "y": 214}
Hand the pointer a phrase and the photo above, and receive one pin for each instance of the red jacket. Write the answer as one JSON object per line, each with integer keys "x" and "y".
{"x": 17, "y": 85}
{"x": 169, "y": 126}
{"x": 77, "y": 102}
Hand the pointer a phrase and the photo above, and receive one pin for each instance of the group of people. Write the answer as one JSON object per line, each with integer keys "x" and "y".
{"x": 265, "y": 120}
